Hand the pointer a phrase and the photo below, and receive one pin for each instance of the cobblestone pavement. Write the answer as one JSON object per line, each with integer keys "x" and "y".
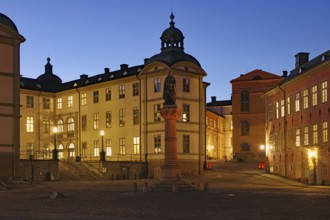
{"x": 236, "y": 191}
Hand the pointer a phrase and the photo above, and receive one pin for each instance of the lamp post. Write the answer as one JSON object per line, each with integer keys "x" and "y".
{"x": 55, "y": 155}
{"x": 102, "y": 153}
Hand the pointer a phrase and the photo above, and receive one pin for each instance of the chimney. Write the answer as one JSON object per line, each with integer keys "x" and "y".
{"x": 146, "y": 60}
{"x": 301, "y": 58}
{"x": 285, "y": 73}
{"x": 106, "y": 70}
{"x": 213, "y": 98}
{"x": 123, "y": 66}
{"x": 84, "y": 76}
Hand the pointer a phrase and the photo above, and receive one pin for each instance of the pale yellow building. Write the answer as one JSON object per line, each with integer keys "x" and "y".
{"x": 10, "y": 41}
{"x": 125, "y": 105}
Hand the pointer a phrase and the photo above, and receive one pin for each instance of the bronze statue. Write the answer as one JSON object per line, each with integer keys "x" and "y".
{"x": 169, "y": 94}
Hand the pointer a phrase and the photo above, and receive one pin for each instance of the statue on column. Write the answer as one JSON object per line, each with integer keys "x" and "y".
{"x": 169, "y": 94}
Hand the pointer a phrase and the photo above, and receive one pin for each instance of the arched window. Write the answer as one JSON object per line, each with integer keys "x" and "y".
{"x": 70, "y": 124}
{"x": 71, "y": 150}
{"x": 245, "y": 101}
{"x": 60, "y": 151}
{"x": 60, "y": 125}
{"x": 245, "y": 128}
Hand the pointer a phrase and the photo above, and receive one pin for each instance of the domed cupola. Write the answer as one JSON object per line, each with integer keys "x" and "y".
{"x": 8, "y": 22}
{"x": 172, "y": 50}
{"x": 48, "y": 77}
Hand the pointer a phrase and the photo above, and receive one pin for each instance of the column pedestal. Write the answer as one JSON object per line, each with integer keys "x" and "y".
{"x": 171, "y": 169}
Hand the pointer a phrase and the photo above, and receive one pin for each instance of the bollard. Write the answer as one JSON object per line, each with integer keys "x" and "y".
{"x": 135, "y": 187}
{"x": 145, "y": 187}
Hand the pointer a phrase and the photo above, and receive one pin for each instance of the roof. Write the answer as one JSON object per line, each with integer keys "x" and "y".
{"x": 256, "y": 74}
{"x": 219, "y": 103}
{"x": 8, "y": 22}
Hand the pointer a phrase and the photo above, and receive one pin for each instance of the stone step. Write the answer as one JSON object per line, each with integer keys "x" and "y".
{"x": 172, "y": 186}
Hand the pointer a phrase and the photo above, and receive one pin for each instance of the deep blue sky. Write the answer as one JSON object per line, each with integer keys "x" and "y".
{"x": 228, "y": 38}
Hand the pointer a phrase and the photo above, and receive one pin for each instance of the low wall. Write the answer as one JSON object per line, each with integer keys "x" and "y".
{"x": 38, "y": 170}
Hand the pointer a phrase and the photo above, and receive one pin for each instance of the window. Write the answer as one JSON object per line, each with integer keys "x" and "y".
{"x": 60, "y": 125}
{"x": 107, "y": 94}
{"x": 289, "y": 105}
{"x": 84, "y": 122}
{"x": 186, "y": 113}
{"x": 314, "y": 95}
{"x": 84, "y": 149}
{"x": 245, "y": 147}
{"x": 136, "y": 115}
{"x": 96, "y": 96}
{"x": 276, "y": 110}
{"x": 108, "y": 147}
{"x": 306, "y": 135}
{"x": 186, "y": 85}
{"x": 136, "y": 89}
{"x": 157, "y": 113}
{"x": 46, "y": 103}
{"x": 324, "y": 86}
{"x": 297, "y": 137}
{"x": 157, "y": 85}
{"x": 46, "y": 125}
{"x": 121, "y": 91}
{"x": 315, "y": 136}
{"x": 157, "y": 143}
{"x": 96, "y": 148}
{"x": 325, "y": 132}
{"x": 136, "y": 145}
{"x": 29, "y": 124}
{"x": 108, "y": 119}
{"x": 305, "y": 99}
{"x": 186, "y": 143}
{"x": 245, "y": 128}
{"x": 70, "y": 101}
{"x": 71, "y": 150}
{"x": 291, "y": 139}
{"x": 122, "y": 146}
{"x": 282, "y": 108}
{"x": 297, "y": 102}
{"x": 29, "y": 101}
{"x": 29, "y": 150}
{"x": 70, "y": 124}
{"x": 59, "y": 103}
{"x": 96, "y": 121}
{"x": 245, "y": 101}
{"x": 83, "y": 98}
{"x": 121, "y": 117}
{"x": 46, "y": 151}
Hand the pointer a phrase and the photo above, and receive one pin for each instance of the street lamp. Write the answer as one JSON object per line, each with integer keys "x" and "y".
{"x": 102, "y": 153}
{"x": 55, "y": 156}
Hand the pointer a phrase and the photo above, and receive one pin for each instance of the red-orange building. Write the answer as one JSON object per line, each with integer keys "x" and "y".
{"x": 248, "y": 113}
{"x": 297, "y": 122}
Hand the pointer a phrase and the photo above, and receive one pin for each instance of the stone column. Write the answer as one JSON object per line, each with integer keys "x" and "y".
{"x": 171, "y": 168}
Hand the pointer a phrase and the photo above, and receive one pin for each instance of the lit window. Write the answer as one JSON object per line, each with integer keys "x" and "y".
{"x": 325, "y": 132}
{"x": 245, "y": 101}
{"x": 306, "y": 135}
{"x": 297, "y": 137}
{"x": 186, "y": 113}
{"x": 96, "y": 121}
{"x": 29, "y": 124}
{"x": 186, "y": 143}
{"x": 71, "y": 150}
{"x": 315, "y": 131}
{"x": 136, "y": 145}
{"x": 108, "y": 147}
{"x": 84, "y": 122}
{"x": 136, "y": 89}
{"x": 136, "y": 115}
{"x": 46, "y": 103}
{"x": 122, "y": 146}
{"x": 96, "y": 148}
{"x": 46, "y": 124}
{"x": 157, "y": 85}
{"x": 276, "y": 110}
{"x": 108, "y": 119}
{"x": 324, "y": 91}
{"x": 70, "y": 101}
{"x": 46, "y": 151}
{"x": 186, "y": 85}
{"x": 305, "y": 98}
{"x": 60, "y": 151}
{"x": 59, "y": 103}
{"x": 297, "y": 102}
{"x": 70, "y": 124}
{"x": 314, "y": 95}
{"x": 60, "y": 127}
{"x": 29, "y": 101}
{"x": 121, "y": 92}
{"x": 83, "y": 98}
{"x": 289, "y": 105}
{"x": 107, "y": 94}
{"x": 157, "y": 143}
{"x": 121, "y": 117}
{"x": 96, "y": 96}
{"x": 157, "y": 113}
{"x": 29, "y": 150}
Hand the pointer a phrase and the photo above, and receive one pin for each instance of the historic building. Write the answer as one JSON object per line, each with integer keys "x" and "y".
{"x": 219, "y": 129}
{"x": 117, "y": 112}
{"x": 249, "y": 113}
{"x": 10, "y": 41}
{"x": 297, "y": 122}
